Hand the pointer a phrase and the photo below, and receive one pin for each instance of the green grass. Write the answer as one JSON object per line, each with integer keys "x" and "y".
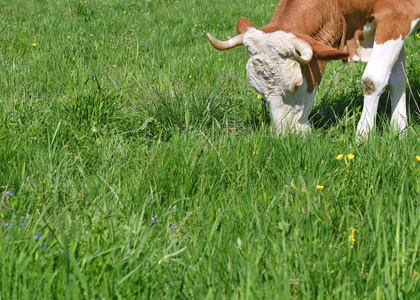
{"x": 137, "y": 162}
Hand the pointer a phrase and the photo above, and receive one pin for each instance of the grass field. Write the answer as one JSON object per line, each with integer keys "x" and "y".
{"x": 136, "y": 162}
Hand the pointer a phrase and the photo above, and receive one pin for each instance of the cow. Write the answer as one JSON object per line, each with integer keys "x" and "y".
{"x": 287, "y": 57}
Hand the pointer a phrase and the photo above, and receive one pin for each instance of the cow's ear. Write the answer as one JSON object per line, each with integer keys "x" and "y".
{"x": 243, "y": 25}
{"x": 323, "y": 51}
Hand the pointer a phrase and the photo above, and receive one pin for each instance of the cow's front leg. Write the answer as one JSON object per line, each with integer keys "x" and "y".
{"x": 396, "y": 87}
{"x": 374, "y": 80}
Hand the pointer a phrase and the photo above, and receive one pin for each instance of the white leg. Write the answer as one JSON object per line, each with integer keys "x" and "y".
{"x": 397, "y": 90}
{"x": 374, "y": 80}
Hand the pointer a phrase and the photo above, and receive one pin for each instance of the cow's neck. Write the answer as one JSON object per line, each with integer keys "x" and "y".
{"x": 322, "y": 21}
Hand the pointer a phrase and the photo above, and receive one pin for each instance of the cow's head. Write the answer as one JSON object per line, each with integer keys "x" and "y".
{"x": 274, "y": 69}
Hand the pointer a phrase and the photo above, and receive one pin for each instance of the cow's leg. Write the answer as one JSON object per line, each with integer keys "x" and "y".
{"x": 375, "y": 79}
{"x": 397, "y": 90}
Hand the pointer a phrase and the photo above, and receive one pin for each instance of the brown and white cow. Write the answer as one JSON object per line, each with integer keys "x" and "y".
{"x": 288, "y": 56}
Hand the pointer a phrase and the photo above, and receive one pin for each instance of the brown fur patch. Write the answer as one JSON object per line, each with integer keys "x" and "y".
{"x": 368, "y": 86}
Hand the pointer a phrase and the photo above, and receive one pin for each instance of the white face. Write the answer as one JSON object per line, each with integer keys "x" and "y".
{"x": 271, "y": 66}
{"x": 277, "y": 76}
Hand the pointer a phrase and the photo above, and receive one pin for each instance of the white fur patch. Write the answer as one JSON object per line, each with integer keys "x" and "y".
{"x": 366, "y": 44}
{"x": 397, "y": 91}
{"x": 355, "y": 58}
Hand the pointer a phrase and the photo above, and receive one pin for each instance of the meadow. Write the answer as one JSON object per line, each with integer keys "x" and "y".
{"x": 136, "y": 162}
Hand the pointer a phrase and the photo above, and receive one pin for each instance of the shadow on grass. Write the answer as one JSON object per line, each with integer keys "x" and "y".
{"x": 333, "y": 109}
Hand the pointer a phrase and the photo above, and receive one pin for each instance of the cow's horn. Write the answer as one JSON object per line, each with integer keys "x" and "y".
{"x": 229, "y": 44}
{"x": 304, "y": 49}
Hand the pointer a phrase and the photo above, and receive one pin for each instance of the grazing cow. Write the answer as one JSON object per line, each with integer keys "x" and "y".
{"x": 288, "y": 56}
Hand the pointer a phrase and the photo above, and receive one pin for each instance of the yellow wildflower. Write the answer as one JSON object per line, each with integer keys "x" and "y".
{"x": 68, "y": 37}
{"x": 352, "y": 239}
{"x": 339, "y": 157}
{"x": 418, "y": 158}
{"x": 259, "y": 97}
{"x": 319, "y": 187}
{"x": 114, "y": 66}
{"x": 35, "y": 44}
{"x": 91, "y": 35}
{"x": 350, "y": 156}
